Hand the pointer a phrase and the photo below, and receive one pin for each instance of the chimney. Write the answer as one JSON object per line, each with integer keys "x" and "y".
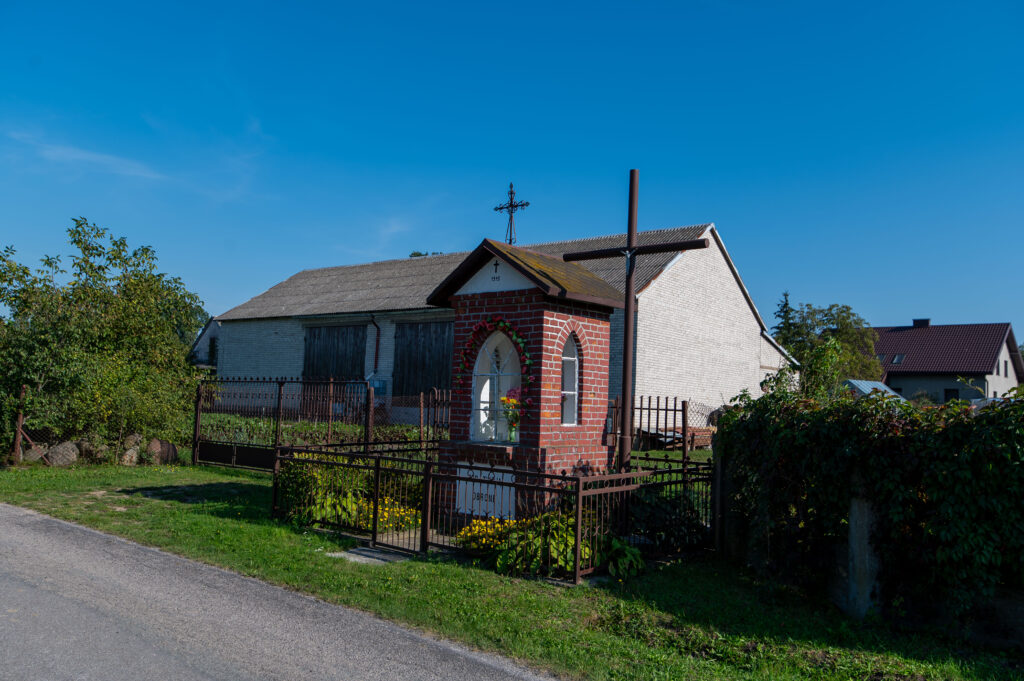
{"x": 922, "y": 323}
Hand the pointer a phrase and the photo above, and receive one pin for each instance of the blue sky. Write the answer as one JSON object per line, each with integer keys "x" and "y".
{"x": 867, "y": 154}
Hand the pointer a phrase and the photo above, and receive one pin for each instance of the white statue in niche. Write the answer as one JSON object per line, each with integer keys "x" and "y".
{"x": 495, "y": 373}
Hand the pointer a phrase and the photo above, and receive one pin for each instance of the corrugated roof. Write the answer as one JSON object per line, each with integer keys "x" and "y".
{"x": 945, "y": 349}
{"x": 863, "y": 387}
{"x": 405, "y": 284}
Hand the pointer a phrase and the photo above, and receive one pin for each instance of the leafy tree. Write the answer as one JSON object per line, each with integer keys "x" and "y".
{"x": 802, "y": 330}
{"x": 103, "y": 346}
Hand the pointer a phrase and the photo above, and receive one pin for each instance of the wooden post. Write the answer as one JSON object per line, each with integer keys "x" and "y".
{"x": 428, "y": 484}
{"x": 577, "y": 578}
{"x": 368, "y": 420}
{"x": 280, "y": 414}
{"x": 19, "y": 423}
{"x": 421, "y": 421}
{"x": 686, "y": 429}
{"x": 274, "y": 511}
{"x": 376, "y": 498}
{"x": 196, "y": 423}
{"x": 330, "y": 407}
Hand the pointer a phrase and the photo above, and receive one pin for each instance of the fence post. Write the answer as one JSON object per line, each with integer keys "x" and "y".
{"x": 274, "y": 511}
{"x": 577, "y": 578}
{"x": 280, "y": 414}
{"x": 421, "y": 421}
{"x": 196, "y": 423}
{"x": 330, "y": 407}
{"x": 19, "y": 422}
{"x": 686, "y": 428}
{"x": 368, "y": 419}
{"x": 376, "y": 498}
{"x": 428, "y": 484}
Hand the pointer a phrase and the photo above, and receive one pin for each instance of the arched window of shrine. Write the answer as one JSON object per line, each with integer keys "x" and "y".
{"x": 570, "y": 382}
{"x": 496, "y": 374}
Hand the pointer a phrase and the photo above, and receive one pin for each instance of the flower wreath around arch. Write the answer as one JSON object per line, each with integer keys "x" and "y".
{"x": 481, "y": 331}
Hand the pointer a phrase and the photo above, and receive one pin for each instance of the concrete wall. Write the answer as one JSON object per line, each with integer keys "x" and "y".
{"x": 697, "y": 336}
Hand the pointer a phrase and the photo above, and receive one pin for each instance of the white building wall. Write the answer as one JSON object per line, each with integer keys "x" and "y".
{"x": 261, "y": 347}
{"x": 771, "y": 359}
{"x": 999, "y": 384}
{"x": 697, "y": 337}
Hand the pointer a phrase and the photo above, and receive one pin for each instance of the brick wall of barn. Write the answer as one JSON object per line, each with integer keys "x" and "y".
{"x": 261, "y": 347}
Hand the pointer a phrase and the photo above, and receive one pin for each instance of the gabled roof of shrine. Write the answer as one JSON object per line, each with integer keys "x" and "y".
{"x": 553, "y": 276}
{"x": 405, "y": 284}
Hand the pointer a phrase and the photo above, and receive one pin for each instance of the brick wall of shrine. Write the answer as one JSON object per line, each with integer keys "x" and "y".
{"x": 545, "y": 325}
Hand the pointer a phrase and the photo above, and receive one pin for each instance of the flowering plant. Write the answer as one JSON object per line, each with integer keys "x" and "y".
{"x": 511, "y": 403}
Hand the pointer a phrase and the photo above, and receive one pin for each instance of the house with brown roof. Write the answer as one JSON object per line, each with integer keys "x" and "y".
{"x": 950, "y": 361}
{"x": 698, "y": 334}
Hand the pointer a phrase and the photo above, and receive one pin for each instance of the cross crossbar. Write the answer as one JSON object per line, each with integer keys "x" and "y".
{"x": 603, "y": 253}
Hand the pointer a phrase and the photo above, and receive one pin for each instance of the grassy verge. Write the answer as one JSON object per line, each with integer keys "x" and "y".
{"x": 690, "y": 619}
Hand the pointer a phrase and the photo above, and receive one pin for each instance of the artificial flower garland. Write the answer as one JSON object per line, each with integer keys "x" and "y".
{"x": 481, "y": 331}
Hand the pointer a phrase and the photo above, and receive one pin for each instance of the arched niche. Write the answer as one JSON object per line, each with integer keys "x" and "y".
{"x": 496, "y": 373}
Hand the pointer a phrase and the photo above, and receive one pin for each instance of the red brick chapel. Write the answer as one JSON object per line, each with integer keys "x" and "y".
{"x": 530, "y": 362}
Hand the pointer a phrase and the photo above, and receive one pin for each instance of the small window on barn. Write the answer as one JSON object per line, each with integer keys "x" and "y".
{"x": 898, "y": 359}
{"x": 496, "y": 375}
{"x": 570, "y": 382}
{"x": 881, "y": 358}
{"x": 1006, "y": 367}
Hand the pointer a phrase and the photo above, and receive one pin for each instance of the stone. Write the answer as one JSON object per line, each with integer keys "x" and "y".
{"x": 91, "y": 451}
{"x": 130, "y": 457}
{"x": 162, "y": 452}
{"x": 133, "y": 440}
{"x": 64, "y": 454}
{"x": 35, "y": 453}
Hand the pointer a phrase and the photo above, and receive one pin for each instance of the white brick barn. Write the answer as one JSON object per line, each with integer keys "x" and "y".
{"x": 699, "y": 335}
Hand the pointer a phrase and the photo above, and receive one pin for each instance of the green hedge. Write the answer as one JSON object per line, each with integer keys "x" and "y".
{"x": 946, "y": 483}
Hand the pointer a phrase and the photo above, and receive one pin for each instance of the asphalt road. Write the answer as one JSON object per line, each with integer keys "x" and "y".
{"x": 79, "y": 604}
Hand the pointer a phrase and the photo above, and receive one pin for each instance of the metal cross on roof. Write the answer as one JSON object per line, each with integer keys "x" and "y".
{"x": 630, "y": 252}
{"x": 511, "y": 207}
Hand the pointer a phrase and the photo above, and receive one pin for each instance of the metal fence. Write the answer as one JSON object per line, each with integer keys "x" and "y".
{"x": 242, "y": 421}
{"x": 666, "y": 423}
{"x": 404, "y": 498}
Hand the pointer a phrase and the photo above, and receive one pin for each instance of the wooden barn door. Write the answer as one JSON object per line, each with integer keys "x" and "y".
{"x": 423, "y": 357}
{"x": 336, "y": 352}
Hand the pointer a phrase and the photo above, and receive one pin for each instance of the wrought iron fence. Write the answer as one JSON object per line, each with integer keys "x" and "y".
{"x": 241, "y": 421}
{"x": 525, "y": 521}
{"x": 666, "y": 423}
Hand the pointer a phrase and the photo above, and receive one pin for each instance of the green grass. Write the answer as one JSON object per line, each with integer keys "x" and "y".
{"x": 691, "y": 619}
{"x": 672, "y": 455}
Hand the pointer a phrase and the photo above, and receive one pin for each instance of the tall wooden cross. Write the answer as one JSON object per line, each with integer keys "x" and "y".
{"x": 511, "y": 206}
{"x": 631, "y": 251}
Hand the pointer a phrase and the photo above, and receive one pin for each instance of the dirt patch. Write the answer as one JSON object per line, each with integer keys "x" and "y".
{"x": 96, "y": 493}
{"x": 120, "y": 509}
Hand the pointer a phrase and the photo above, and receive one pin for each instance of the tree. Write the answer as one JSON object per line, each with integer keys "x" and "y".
{"x": 804, "y": 329}
{"x": 103, "y": 346}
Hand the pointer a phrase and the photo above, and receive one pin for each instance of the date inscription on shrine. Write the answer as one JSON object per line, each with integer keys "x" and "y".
{"x": 482, "y": 497}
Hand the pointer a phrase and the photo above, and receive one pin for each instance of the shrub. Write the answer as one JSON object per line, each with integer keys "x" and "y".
{"x": 103, "y": 348}
{"x": 946, "y": 483}
{"x": 545, "y": 545}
